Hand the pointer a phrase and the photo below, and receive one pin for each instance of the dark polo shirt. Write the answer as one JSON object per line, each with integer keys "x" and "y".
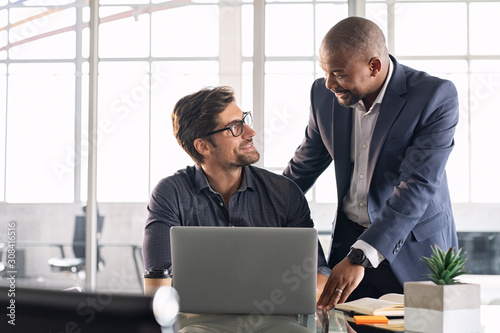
{"x": 265, "y": 199}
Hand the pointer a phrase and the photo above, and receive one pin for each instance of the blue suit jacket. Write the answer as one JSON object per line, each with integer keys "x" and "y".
{"x": 408, "y": 200}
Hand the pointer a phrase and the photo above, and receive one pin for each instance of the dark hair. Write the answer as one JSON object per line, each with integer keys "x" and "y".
{"x": 195, "y": 115}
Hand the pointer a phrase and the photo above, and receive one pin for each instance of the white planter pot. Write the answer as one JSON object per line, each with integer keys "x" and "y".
{"x": 432, "y": 308}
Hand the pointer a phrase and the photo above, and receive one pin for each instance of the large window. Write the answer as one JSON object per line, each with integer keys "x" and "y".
{"x": 153, "y": 52}
{"x": 453, "y": 44}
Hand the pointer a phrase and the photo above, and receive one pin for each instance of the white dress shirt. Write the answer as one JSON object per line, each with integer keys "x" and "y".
{"x": 355, "y": 202}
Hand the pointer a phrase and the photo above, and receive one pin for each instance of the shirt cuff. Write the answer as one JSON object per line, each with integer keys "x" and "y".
{"x": 371, "y": 253}
{"x": 324, "y": 270}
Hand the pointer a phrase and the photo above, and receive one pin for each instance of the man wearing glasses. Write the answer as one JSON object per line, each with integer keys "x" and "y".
{"x": 222, "y": 189}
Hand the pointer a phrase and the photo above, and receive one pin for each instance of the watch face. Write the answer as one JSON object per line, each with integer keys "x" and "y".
{"x": 357, "y": 256}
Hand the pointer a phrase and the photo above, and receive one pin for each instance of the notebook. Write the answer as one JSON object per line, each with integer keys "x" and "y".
{"x": 245, "y": 270}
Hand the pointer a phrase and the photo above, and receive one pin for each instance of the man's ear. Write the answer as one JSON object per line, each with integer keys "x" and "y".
{"x": 201, "y": 146}
{"x": 375, "y": 66}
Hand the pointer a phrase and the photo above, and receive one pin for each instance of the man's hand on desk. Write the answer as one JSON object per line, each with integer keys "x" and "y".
{"x": 344, "y": 278}
{"x": 320, "y": 285}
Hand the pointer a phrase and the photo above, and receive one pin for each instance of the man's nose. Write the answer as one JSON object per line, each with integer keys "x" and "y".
{"x": 248, "y": 132}
{"x": 331, "y": 82}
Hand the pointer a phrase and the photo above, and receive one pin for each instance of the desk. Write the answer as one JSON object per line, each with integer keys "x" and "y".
{"x": 302, "y": 324}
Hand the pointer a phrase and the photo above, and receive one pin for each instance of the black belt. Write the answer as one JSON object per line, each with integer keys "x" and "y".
{"x": 357, "y": 226}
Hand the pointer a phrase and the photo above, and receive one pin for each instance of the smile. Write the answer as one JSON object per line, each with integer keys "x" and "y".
{"x": 342, "y": 94}
{"x": 248, "y": 146}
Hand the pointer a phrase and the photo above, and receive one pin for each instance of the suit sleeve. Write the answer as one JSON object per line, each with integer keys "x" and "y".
{"x": 421, "y": 177}
{"x": 311, "y": 157}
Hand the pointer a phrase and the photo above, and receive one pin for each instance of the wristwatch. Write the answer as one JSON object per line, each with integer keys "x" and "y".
{"x": 357, "y": 257}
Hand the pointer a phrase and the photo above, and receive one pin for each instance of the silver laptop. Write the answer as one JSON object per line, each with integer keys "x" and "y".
{"x": 245, "y": 270}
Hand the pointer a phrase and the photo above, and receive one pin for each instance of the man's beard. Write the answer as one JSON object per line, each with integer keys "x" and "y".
{"x": 247, "y": 159}
{"x": 353, "y": 99}
{"x": 241, "y": 160}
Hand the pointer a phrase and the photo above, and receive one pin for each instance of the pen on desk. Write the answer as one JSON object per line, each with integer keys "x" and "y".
{"x": 350, "y": 313}
{"x": 326, "y": 321}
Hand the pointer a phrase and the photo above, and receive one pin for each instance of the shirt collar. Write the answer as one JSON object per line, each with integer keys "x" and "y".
{"x": 201, "y": 181}
{"x": 248, "y": 181}
{"x": 381, "y": 94}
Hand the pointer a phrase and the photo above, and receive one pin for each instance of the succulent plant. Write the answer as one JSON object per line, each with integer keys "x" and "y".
{"x": 445, "y": 266}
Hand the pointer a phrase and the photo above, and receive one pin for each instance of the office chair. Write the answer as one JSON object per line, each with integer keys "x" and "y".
{"x": 76, "y": 264}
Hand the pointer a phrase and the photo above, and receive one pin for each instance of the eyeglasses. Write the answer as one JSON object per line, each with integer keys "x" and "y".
{"x": 237, "y": 128}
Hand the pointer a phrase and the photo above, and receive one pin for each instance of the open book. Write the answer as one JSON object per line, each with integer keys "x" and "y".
{"x": 390, "y": 305}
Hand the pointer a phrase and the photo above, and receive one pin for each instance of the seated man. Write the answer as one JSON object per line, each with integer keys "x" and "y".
{"x": 222, "y": 189}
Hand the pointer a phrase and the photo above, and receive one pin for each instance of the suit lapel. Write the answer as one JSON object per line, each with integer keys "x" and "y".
{"x": 392, "y": 104}
{"x": 342, "y": 127}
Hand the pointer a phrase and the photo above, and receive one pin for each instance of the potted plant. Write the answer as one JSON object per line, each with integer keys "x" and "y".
{"x": 442, "y": 304}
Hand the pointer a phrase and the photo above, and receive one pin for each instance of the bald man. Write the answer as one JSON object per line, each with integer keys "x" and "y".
{"x": 389, "y": 130}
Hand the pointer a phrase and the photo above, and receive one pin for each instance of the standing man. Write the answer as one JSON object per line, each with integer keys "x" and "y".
{"x": 389, "y": 130}
{"x": 222, "y": 189}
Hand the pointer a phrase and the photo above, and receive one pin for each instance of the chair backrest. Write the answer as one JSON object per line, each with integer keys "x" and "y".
{"x": 79, "y": 236}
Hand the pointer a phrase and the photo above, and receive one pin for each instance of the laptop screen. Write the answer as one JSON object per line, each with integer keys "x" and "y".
{"x": 245, "y": 270}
